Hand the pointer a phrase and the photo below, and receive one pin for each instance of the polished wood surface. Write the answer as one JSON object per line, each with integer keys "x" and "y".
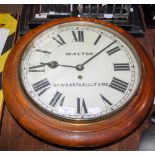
{"x": 14, "y": 137}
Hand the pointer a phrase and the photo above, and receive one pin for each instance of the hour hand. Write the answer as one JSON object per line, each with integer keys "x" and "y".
{"x": 51, "y": 64}
{"x": 55, "y": 64}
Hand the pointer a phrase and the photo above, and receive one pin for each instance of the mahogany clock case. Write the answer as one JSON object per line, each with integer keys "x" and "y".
{"x": 73, "y": 134}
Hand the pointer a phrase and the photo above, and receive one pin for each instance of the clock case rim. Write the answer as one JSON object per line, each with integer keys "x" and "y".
{"x": 74, "y": 134}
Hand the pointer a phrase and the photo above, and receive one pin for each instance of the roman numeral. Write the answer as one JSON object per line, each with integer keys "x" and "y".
{"x": 118, "y": 85}
{"x": 37, "y": 68}
{"x": 79, "y": 36}
{"x": 97, "y": 40}
{"x": 81, "y": 106}
{"x": 41, "y": 86}
{"x": 59, "y": 40}
{"x": 57, "y": 98}
{"x": 121, "y": 67}
{"x": 43, "y": 51}
{"x": 105, "y": 100}
{"x": 112, "y": 51}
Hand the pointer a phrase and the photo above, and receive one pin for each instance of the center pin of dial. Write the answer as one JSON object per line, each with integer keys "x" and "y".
{"x": 79, "y": 67}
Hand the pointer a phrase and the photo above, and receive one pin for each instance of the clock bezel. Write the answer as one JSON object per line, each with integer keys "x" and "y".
{"x": 74, "y": 134}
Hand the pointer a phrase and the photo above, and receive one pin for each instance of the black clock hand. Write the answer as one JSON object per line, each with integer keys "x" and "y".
{"x": 67, "y": 66}
{"x": 98, "y": 53}
{"x": 54, "y": 64}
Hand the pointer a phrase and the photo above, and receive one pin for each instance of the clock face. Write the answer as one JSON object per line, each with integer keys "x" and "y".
{"x": 80, "y": 71}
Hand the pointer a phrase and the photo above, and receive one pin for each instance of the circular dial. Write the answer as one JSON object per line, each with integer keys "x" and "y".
{"x": 80, "y": 71}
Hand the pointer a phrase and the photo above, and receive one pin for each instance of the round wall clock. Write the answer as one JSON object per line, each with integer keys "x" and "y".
{"x": 79, "y": 82}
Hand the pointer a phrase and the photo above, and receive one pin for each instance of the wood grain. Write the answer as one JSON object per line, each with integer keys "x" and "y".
{"x": 76, "y": 134}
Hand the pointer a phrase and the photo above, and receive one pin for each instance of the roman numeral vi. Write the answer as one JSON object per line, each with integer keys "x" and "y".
{"x": 81, "y": 106}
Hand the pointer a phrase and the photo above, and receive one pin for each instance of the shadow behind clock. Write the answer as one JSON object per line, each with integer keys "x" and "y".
{"x": 147, "y": 140}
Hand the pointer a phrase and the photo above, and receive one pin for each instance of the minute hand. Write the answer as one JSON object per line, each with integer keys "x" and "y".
{"x": 98, "y": 53}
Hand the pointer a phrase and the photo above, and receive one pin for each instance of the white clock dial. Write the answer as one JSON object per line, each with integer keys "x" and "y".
{"x": 80, "y": 71}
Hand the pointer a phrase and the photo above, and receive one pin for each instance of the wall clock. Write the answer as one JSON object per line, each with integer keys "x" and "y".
{"x": 79, "y": 82}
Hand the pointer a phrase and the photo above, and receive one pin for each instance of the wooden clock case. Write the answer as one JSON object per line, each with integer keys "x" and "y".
{"x": 76, "y": 134}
